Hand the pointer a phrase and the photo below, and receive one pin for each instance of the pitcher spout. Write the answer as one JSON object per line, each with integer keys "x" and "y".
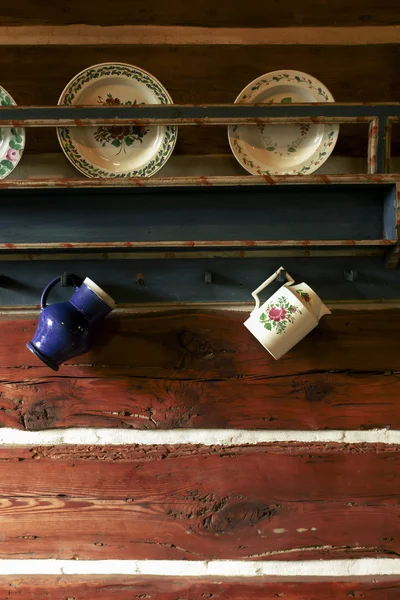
{"x": 323, "y": 310}
{"x": 312, "y": 302}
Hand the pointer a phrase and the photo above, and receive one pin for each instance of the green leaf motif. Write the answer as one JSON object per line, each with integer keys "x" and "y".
{"x": 271, "y": 148}
{"x": 291, "y": 149}
{"x": 267, "y": 326}
{"x": 263, "y": 317}
{"x": 8, "y": 164}
{"x": 116, "y": 143}
{"x": 286, "y": 100}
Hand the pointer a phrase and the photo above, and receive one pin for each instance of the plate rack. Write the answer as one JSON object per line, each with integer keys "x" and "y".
{"x": 184, "y": 236}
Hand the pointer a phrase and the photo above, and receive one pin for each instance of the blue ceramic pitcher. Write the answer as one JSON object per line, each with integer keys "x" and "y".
{"x": 64, "y": 329}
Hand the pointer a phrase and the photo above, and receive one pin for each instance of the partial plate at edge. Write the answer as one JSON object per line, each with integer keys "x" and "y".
{"x": 298, "y": 149}
{"x": 12, "y": 140}
{"x": 116, "y": 151}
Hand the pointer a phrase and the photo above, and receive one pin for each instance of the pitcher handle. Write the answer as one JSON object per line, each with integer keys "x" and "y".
{"x": 289, "y": 281}
{"x": 67, "y": 279}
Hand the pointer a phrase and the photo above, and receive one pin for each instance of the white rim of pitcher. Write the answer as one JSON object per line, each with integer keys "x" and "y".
{"x": 99, "y": 292}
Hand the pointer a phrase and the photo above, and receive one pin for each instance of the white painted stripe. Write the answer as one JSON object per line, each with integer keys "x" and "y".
{"x": 353, "y": 568}
{"x": 185, "y": 35}
{"x": 207, "y": 437}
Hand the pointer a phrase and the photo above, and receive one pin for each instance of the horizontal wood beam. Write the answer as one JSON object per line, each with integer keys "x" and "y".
{"x": 198, "y": 181}
{"x": 198, "y": 254}
{"x": 205, "y": 115}
{"x": 214, "y": 345}
{"x": 85, "y": 35}
{"x": 385, "y": 243}
{"x": 306, "y": 501}
{"x": 206, "y": 13}
{"x": 350, "y": 400}
{"x": 126, "y": 310}
{"x": 125, "y": 587}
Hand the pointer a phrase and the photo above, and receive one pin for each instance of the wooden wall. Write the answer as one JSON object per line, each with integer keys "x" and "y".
{"x": 204, "y": 52}
{"x": 263, "y": 501}
{"x": 269, "y": 464}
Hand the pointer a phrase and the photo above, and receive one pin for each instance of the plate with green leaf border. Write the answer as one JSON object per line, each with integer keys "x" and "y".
{"x": 298, "y": 149}
{"x": 12, "y": 140}
{"x": 116, "y": 151}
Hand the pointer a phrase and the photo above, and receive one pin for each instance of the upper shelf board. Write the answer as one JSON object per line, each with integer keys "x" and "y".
{"x": 174, "y": 114}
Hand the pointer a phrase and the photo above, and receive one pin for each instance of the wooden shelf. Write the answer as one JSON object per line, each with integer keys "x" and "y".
{"x": 199, "y": 114}
{"x": 173, "y": 230}
{"x": 203, "y": 217}
{"x": 378, "y": 117}
{"x": 198, "y": 181}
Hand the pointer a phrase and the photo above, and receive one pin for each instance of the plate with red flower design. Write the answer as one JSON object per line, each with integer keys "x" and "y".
{"x": 12, "y": 140}
{"x": 116, "y": 151}
{"x": 298, "y": 149}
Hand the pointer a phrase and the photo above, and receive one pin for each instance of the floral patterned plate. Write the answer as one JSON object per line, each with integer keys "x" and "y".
{"x": 116, "y": 151}
{"x": 12, "y": 141}
{"x": 283, "y": 149}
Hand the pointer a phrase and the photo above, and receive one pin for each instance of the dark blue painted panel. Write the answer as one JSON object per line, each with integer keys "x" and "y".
{"x": 183, "y": 280}
{"x": 390, "y": 215}
{"x": 230, "y": 213}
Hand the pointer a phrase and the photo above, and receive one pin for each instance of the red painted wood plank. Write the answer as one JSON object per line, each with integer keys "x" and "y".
{"x": 64, "y": 528}
{"x": 199, "y": 369}
{"x": 215, "y": 345}
{"x": 311, "y": 401}
{"x": 182, "y": 588}
{"x": 259, "y": 502}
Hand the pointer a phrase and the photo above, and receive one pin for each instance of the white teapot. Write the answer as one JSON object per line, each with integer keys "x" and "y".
{"x": 286, "y": 317}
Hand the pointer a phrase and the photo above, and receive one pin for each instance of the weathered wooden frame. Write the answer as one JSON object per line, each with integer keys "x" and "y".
{"x": 379, "y": 116}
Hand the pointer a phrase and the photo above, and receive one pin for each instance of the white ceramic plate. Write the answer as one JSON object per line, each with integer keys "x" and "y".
{"x": 118, "y": 151}
{"x": 283, "y": 149}
{"x": 12, "y": 141}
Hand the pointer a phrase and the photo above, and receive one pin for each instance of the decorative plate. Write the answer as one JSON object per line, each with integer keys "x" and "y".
{"x": 12, "y": 140}
{"x": 283, "y": 149}
{"x": 116, "y": 151}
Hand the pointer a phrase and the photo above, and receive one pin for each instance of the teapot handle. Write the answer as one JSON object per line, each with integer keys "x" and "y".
{"x": 66, "y": 279}
{"x": 290, "y": 280}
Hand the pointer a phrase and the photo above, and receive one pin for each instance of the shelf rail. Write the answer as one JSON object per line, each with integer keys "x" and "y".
{"x": 379, "y": 117}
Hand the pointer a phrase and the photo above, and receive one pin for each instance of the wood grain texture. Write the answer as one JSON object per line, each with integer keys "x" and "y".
{"x": 194, "y": 74}
{"x": 183, "y": 588}
{"x": 112, "y": 35}
{"x": 310, "y": 401}
{"x": 202, "y": 13}
{"x": 302, "y": 501}
{"x": 202, "y": 369}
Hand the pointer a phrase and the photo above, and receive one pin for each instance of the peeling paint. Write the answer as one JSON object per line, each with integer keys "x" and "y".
{"x": 279, "y": 530}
